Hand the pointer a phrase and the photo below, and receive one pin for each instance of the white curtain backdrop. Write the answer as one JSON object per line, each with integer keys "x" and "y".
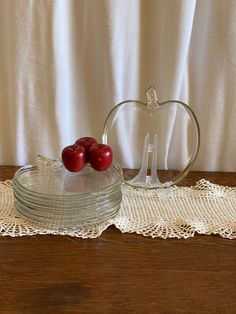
{"x": 65, "y": 63}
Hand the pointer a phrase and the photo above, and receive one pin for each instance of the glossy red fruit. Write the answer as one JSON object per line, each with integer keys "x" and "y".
{"x": 86, "y": 142}
{"x": 100, "y": 156}
{"x": 73, "y": 158}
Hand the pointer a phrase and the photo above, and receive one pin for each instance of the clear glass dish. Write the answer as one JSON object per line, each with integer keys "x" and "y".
{"x": 158, "y": 142}
{"x": 55, "y": 198}
{"x": 61, "y": 183}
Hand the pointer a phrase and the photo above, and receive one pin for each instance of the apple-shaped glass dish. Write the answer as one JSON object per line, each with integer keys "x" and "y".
{"x": 155, "y": 142}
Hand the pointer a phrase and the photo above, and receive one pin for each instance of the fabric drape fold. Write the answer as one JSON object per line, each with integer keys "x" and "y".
{"x": 64, "y": 64}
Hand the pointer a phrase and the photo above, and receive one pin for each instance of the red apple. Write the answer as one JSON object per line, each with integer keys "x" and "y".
{"x": 100, "y": 156}
{"x": 73, "y": 157}
{"x": 86, "y": 142}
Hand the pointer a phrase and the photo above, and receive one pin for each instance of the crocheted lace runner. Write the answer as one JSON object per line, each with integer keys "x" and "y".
{"x": 179, "y": 212}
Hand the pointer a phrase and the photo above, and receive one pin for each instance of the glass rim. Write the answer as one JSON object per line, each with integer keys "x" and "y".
{"x": 179, "y": 177}
{"x": 28, "y": 168}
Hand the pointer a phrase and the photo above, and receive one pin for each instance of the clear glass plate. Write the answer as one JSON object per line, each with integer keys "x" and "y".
{"x": 56, "y": 198}
{"x": 159, "y": 142}
{"x": 60, "y": 183}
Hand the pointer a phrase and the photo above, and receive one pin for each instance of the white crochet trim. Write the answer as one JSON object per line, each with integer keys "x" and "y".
{"x": 179, "y": 211}
{"x": 167, "y": 213}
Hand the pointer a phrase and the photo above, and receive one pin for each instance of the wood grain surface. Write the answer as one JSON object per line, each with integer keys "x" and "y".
{"x": 119, "y": 273}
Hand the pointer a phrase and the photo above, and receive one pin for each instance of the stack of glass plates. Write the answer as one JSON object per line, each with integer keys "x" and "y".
{"x": 56, "y": 198}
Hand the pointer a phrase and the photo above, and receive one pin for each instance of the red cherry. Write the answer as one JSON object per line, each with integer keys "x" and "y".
{"x": 100, "y": 156}
{"x": 86, "y": 142}
{"x": 73, "y": 157}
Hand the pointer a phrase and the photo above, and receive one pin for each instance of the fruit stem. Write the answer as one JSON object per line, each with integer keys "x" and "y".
{"x": 152, "y": 98}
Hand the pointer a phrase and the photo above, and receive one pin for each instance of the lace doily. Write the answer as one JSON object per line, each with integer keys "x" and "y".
{"x": 179, "y": 212}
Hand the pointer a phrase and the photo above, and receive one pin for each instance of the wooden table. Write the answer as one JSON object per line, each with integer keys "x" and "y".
{"x": 119, "y": 273}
